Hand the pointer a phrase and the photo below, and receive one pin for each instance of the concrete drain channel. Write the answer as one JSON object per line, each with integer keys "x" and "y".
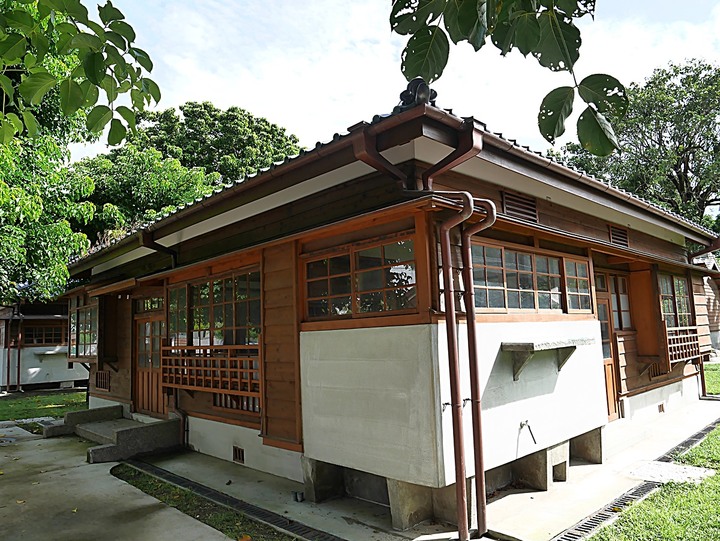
{"x": 263, "y": 515}
{"x": 599, "y": 518}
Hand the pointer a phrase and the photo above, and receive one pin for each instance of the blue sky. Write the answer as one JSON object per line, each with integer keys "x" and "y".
{"x": 317, "y": 67}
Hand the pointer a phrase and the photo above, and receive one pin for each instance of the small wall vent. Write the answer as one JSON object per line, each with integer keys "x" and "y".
{"x": 618, "y": 236}
{"x": 520, "y": 206}
{"x": 238, "y": 455}
{"x": 102, "y": 380}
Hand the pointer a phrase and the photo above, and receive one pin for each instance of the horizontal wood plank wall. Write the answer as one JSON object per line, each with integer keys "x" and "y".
{"x": 281, "y": 396}
{"x": 712, "y": 298}
{"x": 564, "y": 218}
{"x": 701, "y": 313}
{"x": 626, "y": 345}
{"x": 117, "y": 339}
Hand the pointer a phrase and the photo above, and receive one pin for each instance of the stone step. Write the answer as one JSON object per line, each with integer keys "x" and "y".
{"x": 132, "y": 438}
{"x": 104, "y": 431}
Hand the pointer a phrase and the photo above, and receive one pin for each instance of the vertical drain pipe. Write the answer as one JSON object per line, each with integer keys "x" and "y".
{"x": 475, "y": 389}
{"x": 453, "y": 358}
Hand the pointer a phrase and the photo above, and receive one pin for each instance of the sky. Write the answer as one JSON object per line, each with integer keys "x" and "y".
{"x": 317, "y": 67}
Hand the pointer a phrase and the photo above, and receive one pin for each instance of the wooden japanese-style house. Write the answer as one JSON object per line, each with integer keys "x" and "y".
{"x": 297, "y": 321}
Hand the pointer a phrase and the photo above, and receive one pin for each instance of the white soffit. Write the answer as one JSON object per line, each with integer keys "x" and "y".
{"x": 431, "y": 151}
{"x": 137, "y": 253}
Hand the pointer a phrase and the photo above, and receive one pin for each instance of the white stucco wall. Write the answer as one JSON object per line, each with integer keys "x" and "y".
{"x": 370, "y": 401}
{"x": 372, "y": 398}
{"x": 217, "y": 439}
{"x": 557, "y": 404}
{"x": 40, "y": 365}
{"x": 673, "y": 396}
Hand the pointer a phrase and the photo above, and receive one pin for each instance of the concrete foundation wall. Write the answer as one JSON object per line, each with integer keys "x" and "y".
{"x": 558, "y": 405}
{"x": 97, "y": 402}
{"x": 370, "y": 401}
{"x": 217, "y": 439}
{"x": 39, "y": 365}
{"x": 666, "y": 398}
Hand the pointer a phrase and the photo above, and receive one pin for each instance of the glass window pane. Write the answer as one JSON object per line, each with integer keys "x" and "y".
{"x": 493, "y": 257}
{"x": 254, "y": 312}
{"x": 318, "y": 308}
{"x": 316, "y": 269}
{"x": 217, "y": 290}
{"x": 340, "y": 285}
{"x": 574, "y": 302}
{"x": 228, "y": 288}
{"x": 218, "y": 319}
{"x": 554, "y": 264}
{"x": 511, "y": 279}
{"x": 572, "y": 285}
{"x": 479, "y": 277}
{"x": 495, "y": 278}
{"x": 542, "y": 264}
{"x": 582, "y": 269}
{"x": 481, "y": 298}
{"x": 526, "y": 281}
{"x": 585, "y": 302}
{"x": 317, "y": 288}
{"x": 511, "y": 260}
{"x": 584, "y": 286}
{"x": 341, "y": 306}
{"x": 340, "y": 265}
{"x": 371, "y": 302}
{"x": 400, "y": 275}
{"x": 496, "y": 298}
{"x": 370, "y": 280}
{"x": 254, "y": 290}
{"x": 478, "y": 255}
{"x": 369, "y": 258}
{"x": 204, "y": 293}
{"x": 570, "y": 268}
{"x": 401, "y": 299}
{"x": 241, "y": 315}
{"x": 527, "y": 300}
{"x": 543, "y": 283}
{"x": 627, "y": 324}
{"x": 624, "y": 302}
{"x": 399, "y": 251}
{"x": 525, "y": 262}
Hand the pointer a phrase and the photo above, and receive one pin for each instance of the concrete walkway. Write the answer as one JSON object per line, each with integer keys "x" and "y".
{"x": 49, "y": 492}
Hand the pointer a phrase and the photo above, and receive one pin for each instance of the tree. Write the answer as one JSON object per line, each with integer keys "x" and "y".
{"x": 134, "y": 185}
{"x": 54, "y": 44}
{"x": 669, "y": 140}
{"x": 544, "y": 28}
{"x": 231, "y": 142}
{"x": 37, "y": 201}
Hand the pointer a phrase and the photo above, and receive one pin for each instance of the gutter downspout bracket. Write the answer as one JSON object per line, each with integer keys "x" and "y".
{"x": 147, "y": 241}
{"x": 469, "y": 145}
{"x": 365, "y": 150}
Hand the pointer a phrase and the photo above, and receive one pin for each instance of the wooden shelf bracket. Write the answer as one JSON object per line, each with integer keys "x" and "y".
{"x": 524, "y": 352}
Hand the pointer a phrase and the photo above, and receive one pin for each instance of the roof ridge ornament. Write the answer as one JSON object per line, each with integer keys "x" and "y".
{"x": 417, "y": 92}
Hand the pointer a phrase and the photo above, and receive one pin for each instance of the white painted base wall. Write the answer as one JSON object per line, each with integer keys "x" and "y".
{"x": 673, "y": 396}
{"x": 217, "y": 439}
{"x": 40, "y": 365}
{"x": 373, "y": 398}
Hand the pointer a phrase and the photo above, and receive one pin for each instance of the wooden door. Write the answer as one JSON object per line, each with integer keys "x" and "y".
{"x": 609, "y": 363}
{"x": 149, "y": 397}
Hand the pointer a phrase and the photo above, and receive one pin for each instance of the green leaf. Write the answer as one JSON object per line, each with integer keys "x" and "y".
{"x": 426, "y": 54}
{"x": 605, "y": 92}
{"x": 20, "y": 19}
{"x": 567, "y": 6}
{"x": 66, "y": 28}
{"x": 595, "y": 133}
{"x": 559, "y": 45}
{"x": 116, "y": 39}
{"x": 117, "y": 132}
{"x": 34, "y": 87}
{"x": 554, "y": 110}
{"x": 29, "y": 60}
{"x": 72, "y": 7}
{"x": 110, "y": 88}
{"x": 71, "y": 97}
{"x": 12, "y": 48}
{"x": 108, "y": 13}
{"x": 7, "y": 86}
{"x": 150, "y": 87}
{"x": 409, "y": 16}
{"x": 128, "y": 115}
{"x": 15, "y": 120}
{"x": 452, "y": 21}
{"x": 90, "y": 93}
{"x": 94, "y": 66}
{"x": 142, "y": 58}
{"x": 41, "y": 44}
{"x": 30, "y": 123}
{"x": 86, "y": 41}
{"x": 98, "y": 118}
{"x": 95, "y": 27}
{"x": 491, "y": 9}
{"x": 526, "y": 32}
{"x": 138, "y": 99}
{"x": 114, "y": 58}
{"x": 124, "y": 29}
{"x": 7, "y": 131}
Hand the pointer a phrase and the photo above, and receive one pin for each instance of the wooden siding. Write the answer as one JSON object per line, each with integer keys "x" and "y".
{"x": 702, "y": 320}
{"x": 281, "y": 395}
{"x": 712, "y": 301}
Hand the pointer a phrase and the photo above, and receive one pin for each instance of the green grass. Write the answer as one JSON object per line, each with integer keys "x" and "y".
{"x": 46, "y": 404}
{"x": 677, "y": 511}
{"x": 712, "y": 378}
{"x": 233, "y": 524}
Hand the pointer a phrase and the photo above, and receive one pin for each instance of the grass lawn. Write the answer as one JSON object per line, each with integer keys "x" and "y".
{"x": 678, "y": 511}
{"x": 233, "y": 524}
{"x": 712, "y": 378}
{"x": 40, "y": 404}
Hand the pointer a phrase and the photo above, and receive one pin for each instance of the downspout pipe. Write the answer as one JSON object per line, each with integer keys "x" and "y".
{"x": 475, "y": 388}
{"x": 456, "y": 402}
{"x": 18, "y": 385}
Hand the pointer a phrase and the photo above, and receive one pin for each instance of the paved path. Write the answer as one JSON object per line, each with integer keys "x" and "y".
{"x": 48, "y": 492}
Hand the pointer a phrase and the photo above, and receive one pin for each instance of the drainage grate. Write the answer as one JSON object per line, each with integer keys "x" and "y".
{"x": 583, "y": 528}
{"x": 273, "y": 519}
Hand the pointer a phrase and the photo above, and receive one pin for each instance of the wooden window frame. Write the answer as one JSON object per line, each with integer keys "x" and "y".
{"x": 351, "y": 251}
{"x": 674, "y": 297}
{"x": 85, "y": 310}
{"x": 535, "y": 253}
{"x": 44, "y": 330}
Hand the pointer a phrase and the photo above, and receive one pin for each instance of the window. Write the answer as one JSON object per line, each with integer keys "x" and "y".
{"x": 83, "y": 327}
{"x": 45, "y": 335}
{"x": 362, "y": 281}
{"x": 620, "y": 303}
{"x": 675, "y": 300}
{"x": 506, "y": 279}
{"x": 149, "y": 304}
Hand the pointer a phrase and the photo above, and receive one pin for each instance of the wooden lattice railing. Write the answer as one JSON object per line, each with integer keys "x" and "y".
{"x": 232, "y": 370}
{"x": 683, "y": 344}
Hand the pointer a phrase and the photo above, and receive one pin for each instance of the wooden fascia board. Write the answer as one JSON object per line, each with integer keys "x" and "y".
{"x": 602, "y": 194}
{"x": 112, "y": 288}
{"x": 128, "y": 244}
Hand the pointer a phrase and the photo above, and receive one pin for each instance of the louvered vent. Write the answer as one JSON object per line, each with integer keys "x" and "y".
{"x": 520, "y": 206}
{"x": 618, "y": 236}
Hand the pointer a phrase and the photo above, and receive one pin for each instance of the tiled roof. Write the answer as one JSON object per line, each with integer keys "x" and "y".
{"x": 319, "y": 146}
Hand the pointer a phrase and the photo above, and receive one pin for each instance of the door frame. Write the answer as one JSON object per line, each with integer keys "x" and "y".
{"x": 157, "y": 395}
{"x": 612, "y": 385}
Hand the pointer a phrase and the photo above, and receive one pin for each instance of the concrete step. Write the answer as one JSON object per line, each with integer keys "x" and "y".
{"x": 104, "y": 431}
{"x": 132, "y": 438}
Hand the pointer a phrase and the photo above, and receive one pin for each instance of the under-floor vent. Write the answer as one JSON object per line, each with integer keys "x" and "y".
{"x": 238, "y": 454}
{"x": 520, "y": 206}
